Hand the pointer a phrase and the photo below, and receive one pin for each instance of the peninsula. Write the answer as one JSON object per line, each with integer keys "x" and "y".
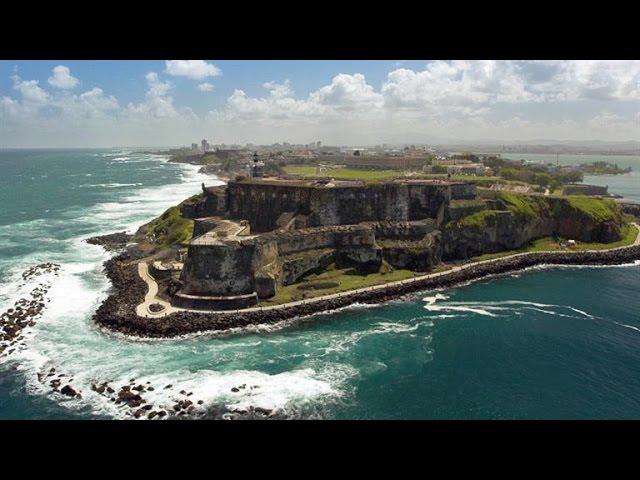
{"x": 262, "y": 249}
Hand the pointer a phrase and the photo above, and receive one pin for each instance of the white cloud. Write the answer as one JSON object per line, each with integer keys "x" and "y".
{"x": 464, "y": 84}
{"x": 193, "y": 69}
{"x": 91, "y": 118}
{"x": 348, "y": 92}
{"x": 346, "y": 95}
{"x": 459, "y": 85}
{"x": 279, "y": 90}
{"x": 96, "y": 100}
{"x": 62, "y": 78}
{"x": 30, "y": 90}
{"x": 205, "y": 87}
{"x": 157, "y": 88}
{"x": 278, "y": 104}
{"x": 157, "y": 102}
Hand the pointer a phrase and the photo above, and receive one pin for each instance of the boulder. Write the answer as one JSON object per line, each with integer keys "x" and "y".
{"x": 67, "y": 390}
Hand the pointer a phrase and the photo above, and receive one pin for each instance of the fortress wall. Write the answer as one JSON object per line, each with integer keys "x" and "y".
{"x": 214, "y": 202}
{"x": 326, "y": 237}
{"x": 241, "y": 267}
{"x": 295, "y": 266}
{"x": 419, "y": 256}
{"x": 256, "y": 264}
{"x": 351, "y": 205}
{"x": 221, "y": 269}
{"x": 463, "y": 191}
{"x": 404, "y": 230}
{"x": 217, "y": 200}
{"x": 203, "y": 225}
{"x": 266, "y": 268}
{"x": 461, "y": 208}
{"x": 427, "y": 200}
{"x": 262, "y": 205}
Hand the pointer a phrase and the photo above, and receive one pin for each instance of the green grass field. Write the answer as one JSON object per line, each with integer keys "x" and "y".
{"x": 373, "y": 176}
{"x": 344, "y": 173}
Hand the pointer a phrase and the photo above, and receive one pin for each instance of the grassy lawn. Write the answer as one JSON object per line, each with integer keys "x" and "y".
{"x": 344, "y": 173}
{"x": 333, "y": 281}
{"x": 480, "y": 181}
{"x": 372, "y": 176}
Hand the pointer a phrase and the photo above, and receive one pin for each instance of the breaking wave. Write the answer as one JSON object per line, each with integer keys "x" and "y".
{"x": 503, "y": 308}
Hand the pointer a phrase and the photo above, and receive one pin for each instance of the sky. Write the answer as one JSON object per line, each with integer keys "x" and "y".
{"x": 85, "y": 103}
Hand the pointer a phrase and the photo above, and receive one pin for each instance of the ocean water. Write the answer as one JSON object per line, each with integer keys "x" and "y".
{"x": 561, "y": 342}
{"x": 625, "y": 185}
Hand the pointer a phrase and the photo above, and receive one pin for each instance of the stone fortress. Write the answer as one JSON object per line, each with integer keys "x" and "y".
{"x": 255, "y": 235}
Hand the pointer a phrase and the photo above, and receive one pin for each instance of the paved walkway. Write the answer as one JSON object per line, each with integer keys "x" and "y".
{"x": 150, "y": 298}
{"x": 143, "y": 309}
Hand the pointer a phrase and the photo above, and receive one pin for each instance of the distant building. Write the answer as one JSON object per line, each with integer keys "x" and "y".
{"x": 194, "y": 146}
{"x": 205, "y": 146}
{"x": 468, "y": 169}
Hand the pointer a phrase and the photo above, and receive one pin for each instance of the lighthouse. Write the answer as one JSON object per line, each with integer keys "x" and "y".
{"x": 257, "y": 167}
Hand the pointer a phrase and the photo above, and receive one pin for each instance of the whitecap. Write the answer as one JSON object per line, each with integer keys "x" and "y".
{"x": 628, "y": 326}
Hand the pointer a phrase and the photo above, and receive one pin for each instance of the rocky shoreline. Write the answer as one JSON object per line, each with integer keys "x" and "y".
{"x": 112, "y": 242}
{"x": 26, "y": 310}
{"x": 117, "y": 312}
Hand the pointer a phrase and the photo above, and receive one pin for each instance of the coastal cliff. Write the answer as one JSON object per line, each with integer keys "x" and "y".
{"x": 523, "y": 218}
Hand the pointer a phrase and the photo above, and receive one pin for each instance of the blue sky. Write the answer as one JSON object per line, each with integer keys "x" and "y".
{"x": 126, "y": 79}
{"x": 107, "y": 103}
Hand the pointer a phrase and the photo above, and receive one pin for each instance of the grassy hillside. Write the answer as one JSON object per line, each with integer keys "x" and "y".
{"x": 169, "y": 229}
{"x": 524, "y": 206}
{"x": 574, "y": 210}
{"x": 599, "y": 209}
{"x": 477, "y": 220}
{"x": 531, "y": 206}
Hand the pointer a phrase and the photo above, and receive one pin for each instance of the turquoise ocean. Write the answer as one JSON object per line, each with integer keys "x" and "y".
{"x": 546, "y": 343}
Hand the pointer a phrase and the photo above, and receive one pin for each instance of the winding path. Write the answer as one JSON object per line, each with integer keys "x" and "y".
{"x": 151, "y": 298}
{"x": 142, "y": 310}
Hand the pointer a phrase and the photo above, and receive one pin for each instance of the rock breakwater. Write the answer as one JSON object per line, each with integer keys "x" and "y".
{"x": 118, "y": 311}
{"x": 25, "y": 310}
